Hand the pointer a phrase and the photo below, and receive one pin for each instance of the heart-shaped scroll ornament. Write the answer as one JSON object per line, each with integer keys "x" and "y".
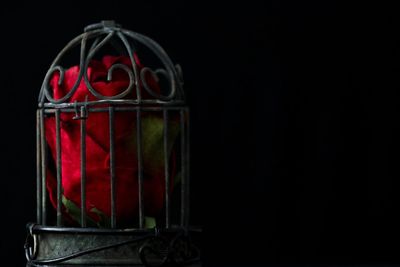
{"x": 98, "y": 186}
{"x": 157, "y": 76}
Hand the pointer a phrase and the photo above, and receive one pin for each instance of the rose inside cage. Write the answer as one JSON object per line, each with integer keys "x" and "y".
{"x": 113, "y": 156}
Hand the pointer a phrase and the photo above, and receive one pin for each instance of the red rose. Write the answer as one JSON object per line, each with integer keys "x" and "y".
{"x": 98, "y": 192}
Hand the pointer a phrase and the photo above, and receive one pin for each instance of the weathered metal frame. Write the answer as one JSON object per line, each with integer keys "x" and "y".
{"x": 55, "y": 245}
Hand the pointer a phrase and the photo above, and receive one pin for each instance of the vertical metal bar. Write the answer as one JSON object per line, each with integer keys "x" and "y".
{"x": 183, "y": 168}
{"x": 83, "y": 166}
{"x": 58, "y": 167}
{"x": 112, "y": 167}
{"x": 166, "y": 170}
{"x": 187, "y": 195}
{"x": 43, "y": 167}
{"x": 140, "y": 165}
{"x": 38, "y": 169}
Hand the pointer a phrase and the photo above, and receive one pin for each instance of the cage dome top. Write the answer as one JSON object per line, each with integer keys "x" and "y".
{"x": 115, "y": 66}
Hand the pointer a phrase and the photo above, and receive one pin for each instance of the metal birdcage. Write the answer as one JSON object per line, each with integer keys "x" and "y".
{"x": 112, "y": 157}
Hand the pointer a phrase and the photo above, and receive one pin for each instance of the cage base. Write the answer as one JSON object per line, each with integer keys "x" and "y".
{"x": 59, "y": 246}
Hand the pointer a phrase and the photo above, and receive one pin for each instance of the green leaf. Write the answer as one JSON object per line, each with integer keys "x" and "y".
{"x": 150, "y": 222}
{"x": 75, "y": 212}
{"x": 153, "y": 140}
{"x": 104, "y": 221}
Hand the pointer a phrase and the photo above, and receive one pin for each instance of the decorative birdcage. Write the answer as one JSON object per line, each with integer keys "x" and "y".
{"x": 112, "y": 156}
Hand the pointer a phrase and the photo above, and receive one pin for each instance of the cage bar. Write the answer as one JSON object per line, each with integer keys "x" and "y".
{"x": 58, "y": 167}
{"x": 140, "y": 166}
{"x": 183, "y": 169}
{"x": 83, "y": 165}
{"x": 44, "y": 169}
{"x": 38, "y": 168}
{"x": 112, "y": 167}
{"x": 166, "y": 170}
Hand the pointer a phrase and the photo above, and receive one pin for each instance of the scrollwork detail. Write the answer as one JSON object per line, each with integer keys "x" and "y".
{"x": 154, "y": 252}
{"x": 101, "y": 35}
{"x": 156, "y": 76}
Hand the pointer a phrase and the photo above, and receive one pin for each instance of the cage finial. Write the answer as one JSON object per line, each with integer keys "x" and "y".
{"x": 111, "y": 24}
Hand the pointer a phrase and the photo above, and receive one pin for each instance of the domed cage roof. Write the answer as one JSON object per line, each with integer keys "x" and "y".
{"x": 140, "y": 69}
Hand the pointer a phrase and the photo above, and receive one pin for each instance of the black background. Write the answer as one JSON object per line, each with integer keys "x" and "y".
{"x": 295, "y": 122}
